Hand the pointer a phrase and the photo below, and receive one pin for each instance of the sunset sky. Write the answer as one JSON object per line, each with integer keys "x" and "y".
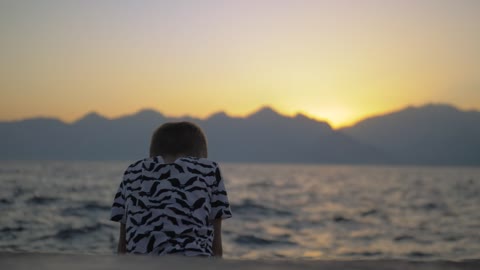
{"x": 337, "y": 60}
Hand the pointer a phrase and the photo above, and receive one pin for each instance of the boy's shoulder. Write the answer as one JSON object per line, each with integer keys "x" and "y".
{"x": 135, "y": 166}
{"x": 200, "y": 162}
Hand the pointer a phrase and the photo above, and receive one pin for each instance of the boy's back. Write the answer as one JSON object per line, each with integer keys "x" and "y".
{"x": 169, "y": 207}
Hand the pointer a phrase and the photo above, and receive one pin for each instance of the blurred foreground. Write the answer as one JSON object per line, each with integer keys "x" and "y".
{"x": 73, "y": 262}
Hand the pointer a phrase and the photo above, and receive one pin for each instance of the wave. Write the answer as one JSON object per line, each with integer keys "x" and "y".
{"x": 419, "y": 254}
{"x": 363, "y": 254}
{"x": 5, "y": 201}
{"x": 370, "y": 212}
{"x": 254, "y": 240}
{"x": 341, "y": 219}
{"x": 42, "y": 200}
{"x": 70, "y": 233}
{"x": 12, "y": 229}
{"x": 96, "y": 206}
{"x": 403, "y": 238}
{"x": 251, "y": 208}
{"x": 84, "y": 209}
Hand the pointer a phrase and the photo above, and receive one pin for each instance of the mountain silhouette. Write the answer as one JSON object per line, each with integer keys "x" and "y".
{"x": 431, "y": 134}
{"x": 92, "y": 118}
{"x": 267, "y": 136}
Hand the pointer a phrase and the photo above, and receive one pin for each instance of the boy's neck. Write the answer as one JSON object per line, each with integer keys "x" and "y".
{"x": 172, "y": 158}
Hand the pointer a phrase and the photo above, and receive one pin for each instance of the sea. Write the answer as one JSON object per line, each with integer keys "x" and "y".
{"x": 281, "y": 211}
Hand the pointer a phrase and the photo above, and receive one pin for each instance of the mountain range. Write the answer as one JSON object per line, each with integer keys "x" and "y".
{"x": 433, "y": 134}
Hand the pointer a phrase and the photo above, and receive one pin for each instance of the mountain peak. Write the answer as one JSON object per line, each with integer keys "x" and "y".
{"x": 218, "y": 115}
{"x": 91, "y": 117}
{"x": 144, "y": 115}
{"x": 428, "y": 107}
{"x": 439, "y": 107}
{"x": 148, "y": 113}
{"x": 42, "y": 121}
{"x": 264, "y": 112}
{"x": 302, "y": 116}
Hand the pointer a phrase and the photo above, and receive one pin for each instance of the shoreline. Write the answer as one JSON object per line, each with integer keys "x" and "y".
{"x": 70, "y": 261}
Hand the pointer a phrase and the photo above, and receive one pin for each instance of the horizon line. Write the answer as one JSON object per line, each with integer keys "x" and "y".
{"x": 244, "y": 116}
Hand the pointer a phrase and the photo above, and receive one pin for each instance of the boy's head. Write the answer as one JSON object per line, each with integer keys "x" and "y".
{"x": 178, "y": 138}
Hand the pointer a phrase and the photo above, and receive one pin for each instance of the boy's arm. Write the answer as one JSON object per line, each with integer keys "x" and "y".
{"x": 122, "y": 243}
{"x": 217, "y": 238}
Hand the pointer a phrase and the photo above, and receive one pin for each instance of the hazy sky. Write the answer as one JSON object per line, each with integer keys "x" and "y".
{"x": 334, "y": 60}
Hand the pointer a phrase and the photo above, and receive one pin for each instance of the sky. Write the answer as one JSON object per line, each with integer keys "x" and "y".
{"x": 338, "y": 61}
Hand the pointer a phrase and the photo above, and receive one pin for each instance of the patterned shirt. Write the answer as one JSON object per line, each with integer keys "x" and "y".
{"x": 168, "y": 207}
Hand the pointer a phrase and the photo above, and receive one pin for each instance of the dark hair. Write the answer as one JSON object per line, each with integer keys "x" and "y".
{"x": 179, "y": 138}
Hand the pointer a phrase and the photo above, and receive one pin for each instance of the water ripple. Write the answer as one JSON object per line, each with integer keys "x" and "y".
{"x": 280, "y": 211}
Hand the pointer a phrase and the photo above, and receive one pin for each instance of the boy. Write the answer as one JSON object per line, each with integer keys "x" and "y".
{"x": 174, "y": 201}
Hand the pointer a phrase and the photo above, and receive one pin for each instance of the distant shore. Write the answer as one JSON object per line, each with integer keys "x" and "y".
{"x": 73, "y": 261}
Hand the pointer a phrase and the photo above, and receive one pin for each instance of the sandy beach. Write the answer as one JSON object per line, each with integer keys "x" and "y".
{"x": 73, "y": 261}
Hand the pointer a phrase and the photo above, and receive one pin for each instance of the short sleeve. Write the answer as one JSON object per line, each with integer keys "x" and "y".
{"x": 219, "y": 202}
{"x": 118, "y": 208}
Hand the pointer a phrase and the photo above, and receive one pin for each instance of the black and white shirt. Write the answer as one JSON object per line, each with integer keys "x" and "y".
{"x": 168, "y": 207}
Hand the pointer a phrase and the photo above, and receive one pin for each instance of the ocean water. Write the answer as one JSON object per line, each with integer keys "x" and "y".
{"x": 280, "y": 211}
